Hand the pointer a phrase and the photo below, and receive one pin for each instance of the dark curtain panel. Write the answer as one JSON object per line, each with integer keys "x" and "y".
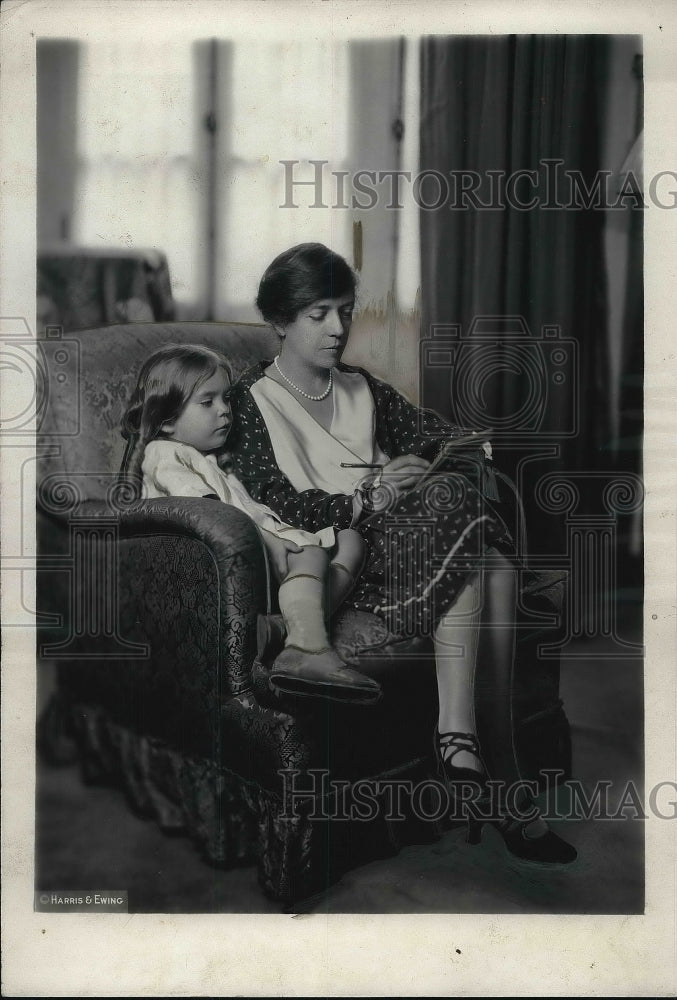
{"x": 507, "y": 104}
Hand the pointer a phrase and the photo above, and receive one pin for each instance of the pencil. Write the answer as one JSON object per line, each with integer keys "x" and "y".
{"x": 361, "y": 465}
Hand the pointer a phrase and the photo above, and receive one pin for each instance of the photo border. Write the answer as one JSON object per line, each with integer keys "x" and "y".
{"x": 343, "y": 955}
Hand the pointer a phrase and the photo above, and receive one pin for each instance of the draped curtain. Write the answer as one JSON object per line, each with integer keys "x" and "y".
{"x": 506, "y": 104}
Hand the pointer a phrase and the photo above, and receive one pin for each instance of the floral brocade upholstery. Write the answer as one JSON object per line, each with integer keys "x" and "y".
{"x": 161, "y": 696}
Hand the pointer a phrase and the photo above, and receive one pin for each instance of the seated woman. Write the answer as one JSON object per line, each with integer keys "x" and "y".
{"x": 325, "y": 443}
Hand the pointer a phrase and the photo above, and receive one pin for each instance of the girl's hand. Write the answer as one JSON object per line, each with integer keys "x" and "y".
{"x": 279, "y": 550}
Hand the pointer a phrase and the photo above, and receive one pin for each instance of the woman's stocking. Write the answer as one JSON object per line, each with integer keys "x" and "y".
{"x": 494, "y": 680}
{"x": 456, "y": 641}
{"x": 493, "y": 676}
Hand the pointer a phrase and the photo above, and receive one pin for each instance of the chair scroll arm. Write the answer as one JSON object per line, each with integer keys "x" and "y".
{"x": 230, "y": 539}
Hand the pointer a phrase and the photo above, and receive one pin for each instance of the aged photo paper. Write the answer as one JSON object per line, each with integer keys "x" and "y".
{"x": 155, "y": 157}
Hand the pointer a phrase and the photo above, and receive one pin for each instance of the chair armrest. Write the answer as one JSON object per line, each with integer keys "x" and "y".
{"x": 183, "y": 594}
{"x": 240, "y": 561}
{"x": 225, "y": 529}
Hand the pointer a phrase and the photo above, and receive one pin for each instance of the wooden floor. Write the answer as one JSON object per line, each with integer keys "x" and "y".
{"x": 87, "y": 837}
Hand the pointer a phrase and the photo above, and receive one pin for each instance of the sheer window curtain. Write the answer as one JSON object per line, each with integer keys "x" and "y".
{"x": 276, "y": 101}
{"x": 144, "y": 176}
{"x": 137, "y": 181}
{"x": 338, "y": 102}
{"x": 179, "y": 147}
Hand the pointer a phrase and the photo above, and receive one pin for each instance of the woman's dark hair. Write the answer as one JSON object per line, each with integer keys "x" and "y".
{"x": 166, "y": 382}
{"x": 300, "y": 276}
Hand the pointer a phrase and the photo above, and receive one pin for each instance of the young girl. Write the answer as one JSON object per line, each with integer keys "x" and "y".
{"x": 177, "y": 421}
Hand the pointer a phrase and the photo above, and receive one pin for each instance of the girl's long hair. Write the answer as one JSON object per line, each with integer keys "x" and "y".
{"x": 166, "y": 382}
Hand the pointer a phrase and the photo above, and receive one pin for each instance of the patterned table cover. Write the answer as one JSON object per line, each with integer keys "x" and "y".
{"x": 80, "y": 288}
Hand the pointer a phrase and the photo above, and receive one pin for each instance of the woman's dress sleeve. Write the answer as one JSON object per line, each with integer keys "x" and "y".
{"x": 405, "y": 429}
{"x": 254, "y": 463}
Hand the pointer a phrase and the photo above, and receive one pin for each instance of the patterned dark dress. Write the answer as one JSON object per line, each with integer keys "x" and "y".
{"x": 423, "y": 545}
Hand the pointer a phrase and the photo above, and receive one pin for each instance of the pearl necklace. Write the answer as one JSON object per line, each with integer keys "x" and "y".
{"x": 302, "y": 392}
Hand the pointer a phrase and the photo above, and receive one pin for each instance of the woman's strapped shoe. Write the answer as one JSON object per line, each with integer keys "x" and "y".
{"x": 455, "y": 777}
{"x": 546, "y": 849}
{"x": 445, "y": 761}
{"x": 321, "y": 674}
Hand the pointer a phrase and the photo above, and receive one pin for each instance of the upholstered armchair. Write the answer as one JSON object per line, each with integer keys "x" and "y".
{"x": 148, "y": 618}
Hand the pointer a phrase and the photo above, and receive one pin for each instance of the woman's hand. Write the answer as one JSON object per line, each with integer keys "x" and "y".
{"x": 403, "y": 472}
{"x": 279, "y": 550}
{"x": 381, "y": 489}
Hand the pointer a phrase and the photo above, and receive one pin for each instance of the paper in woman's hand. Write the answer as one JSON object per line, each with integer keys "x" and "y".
{"x": 471, "y": 441}
{"x": 473, "y": 438}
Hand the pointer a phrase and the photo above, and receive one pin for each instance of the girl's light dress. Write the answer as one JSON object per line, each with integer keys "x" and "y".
{"x": 173, "y": 469}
